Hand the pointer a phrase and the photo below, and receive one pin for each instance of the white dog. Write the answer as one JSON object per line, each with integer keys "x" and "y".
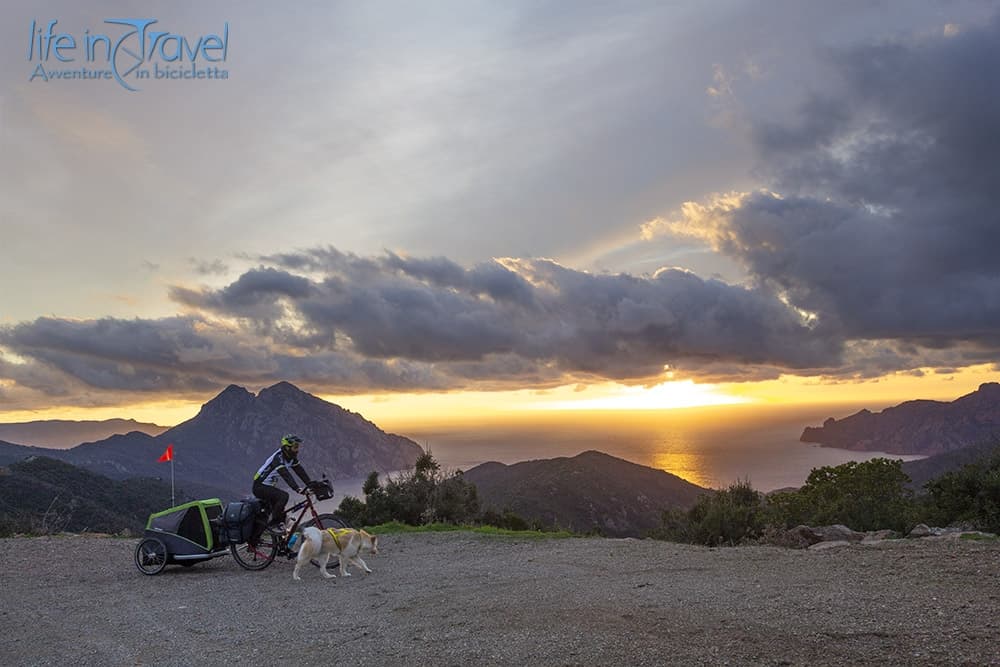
{"x": 346, "y": 543}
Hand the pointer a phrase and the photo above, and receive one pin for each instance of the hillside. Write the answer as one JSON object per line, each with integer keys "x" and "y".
{"x": 217, "y": 451}
{"x": 45, "y": 495}
{"x": 924, "y": 470}
{"x": 916, "y": 427}
{"x": 64, "y": 433}
{"x": 590, "y": 491}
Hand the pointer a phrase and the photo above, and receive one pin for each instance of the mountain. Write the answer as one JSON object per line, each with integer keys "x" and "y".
{"x": 916, "y": 427}
{"x": 924, "y": 470}
{"x": 217, "y": 451}
{"x": 586, "y": 492}
{"x": 43, "y": 495}
{"x": 64, "y": 433}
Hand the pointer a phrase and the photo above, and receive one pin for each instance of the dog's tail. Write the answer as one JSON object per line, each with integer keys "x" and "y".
{"x": 313, "y": 539}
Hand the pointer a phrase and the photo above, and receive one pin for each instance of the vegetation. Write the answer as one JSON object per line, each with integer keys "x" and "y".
{"x": 870, "y": 495}
{"x": 43, "y": 496}
{"x": 864, "y": 496}
{"x": 970, "y": 495}
{"x": 727, "y": 517}
{"x": 426, "y": 496}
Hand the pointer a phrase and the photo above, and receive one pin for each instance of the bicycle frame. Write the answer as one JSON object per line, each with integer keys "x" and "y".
{"x": 277, "y": 545}
{"x": 303, "y": 505}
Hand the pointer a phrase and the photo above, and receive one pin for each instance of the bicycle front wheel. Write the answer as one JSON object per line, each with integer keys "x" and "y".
{"x": 258, "y": 556}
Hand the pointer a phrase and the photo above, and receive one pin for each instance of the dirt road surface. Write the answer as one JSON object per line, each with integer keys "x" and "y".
{"x": 467, "y": 599}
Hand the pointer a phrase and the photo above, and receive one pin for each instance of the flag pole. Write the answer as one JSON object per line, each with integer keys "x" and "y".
{"x": 172, "y": 501}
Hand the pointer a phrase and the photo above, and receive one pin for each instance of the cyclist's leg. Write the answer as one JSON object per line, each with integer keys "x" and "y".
{"x": 274, "y": 497}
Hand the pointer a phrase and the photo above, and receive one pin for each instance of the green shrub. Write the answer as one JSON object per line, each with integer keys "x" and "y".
{"x": 970, "y": 495}
{"x": 727, "y": 517}
{"x": 421, "y": 496}
{"x": 868, "y": 495}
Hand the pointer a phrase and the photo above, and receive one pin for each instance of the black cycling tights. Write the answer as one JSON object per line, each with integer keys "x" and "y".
{"x": 274, "y": 497}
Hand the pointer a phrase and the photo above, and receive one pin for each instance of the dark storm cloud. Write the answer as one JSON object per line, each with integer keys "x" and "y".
{"x": 398, "y": 323}
{"x": 612, "y": 326}
{"x": 887, "y": 221}
{"x": 182, "y": 356}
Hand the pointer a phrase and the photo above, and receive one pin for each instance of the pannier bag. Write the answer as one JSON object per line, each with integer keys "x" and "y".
{"x": 238, "y": 521}
{"x": 322, "y": 488}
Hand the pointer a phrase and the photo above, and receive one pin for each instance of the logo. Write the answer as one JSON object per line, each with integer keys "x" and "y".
{"x": 135, "y": 53}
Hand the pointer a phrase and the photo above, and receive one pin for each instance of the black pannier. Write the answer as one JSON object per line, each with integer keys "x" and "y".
{"x": 322, "y": 488}
{"x": 238, "y": 521}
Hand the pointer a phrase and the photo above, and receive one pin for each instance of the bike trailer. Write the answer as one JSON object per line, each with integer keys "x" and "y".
{"x": 182, "y": 535}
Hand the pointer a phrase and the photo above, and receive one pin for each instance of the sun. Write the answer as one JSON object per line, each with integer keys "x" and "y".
{"x": 668, "y": 395}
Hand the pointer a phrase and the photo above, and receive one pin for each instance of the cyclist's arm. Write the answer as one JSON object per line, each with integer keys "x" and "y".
{"x": 287, "y": 476}
{"x": 301, "y": 472}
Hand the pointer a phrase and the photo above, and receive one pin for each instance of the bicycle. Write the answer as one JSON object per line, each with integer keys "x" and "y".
{"x": 258, "y": 553}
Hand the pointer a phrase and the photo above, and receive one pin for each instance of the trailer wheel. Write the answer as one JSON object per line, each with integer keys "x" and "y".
{"x": 150, "y": 556}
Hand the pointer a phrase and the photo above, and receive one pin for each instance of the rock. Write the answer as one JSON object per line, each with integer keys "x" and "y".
{"x": 839, "y": 532}
{"x": 879, "y": 535}
{"x": 807, "y": 536}
{"x": 803, "y": 535}
{"x": 920, "y": 530}
{"x": 832, "y": 544}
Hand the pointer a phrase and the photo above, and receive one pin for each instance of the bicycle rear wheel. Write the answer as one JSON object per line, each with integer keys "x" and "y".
{"x": 324, "y": 521}
{"x": 259, "y": 556}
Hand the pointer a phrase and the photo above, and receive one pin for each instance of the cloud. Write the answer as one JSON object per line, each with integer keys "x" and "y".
{"x": 880, "y": 217}
{"x": 207, "y": 268}
{"x": 392, "y": 322}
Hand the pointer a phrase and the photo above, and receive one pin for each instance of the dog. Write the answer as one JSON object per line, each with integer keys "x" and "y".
{"x": 347, "y": 543}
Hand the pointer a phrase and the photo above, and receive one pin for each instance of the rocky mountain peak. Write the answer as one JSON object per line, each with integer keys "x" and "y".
{"x": 228, "y": 400}
{"x": 916, "y": 427}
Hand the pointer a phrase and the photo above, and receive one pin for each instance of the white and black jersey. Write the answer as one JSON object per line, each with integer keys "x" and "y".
{"x": 276, "y": 464}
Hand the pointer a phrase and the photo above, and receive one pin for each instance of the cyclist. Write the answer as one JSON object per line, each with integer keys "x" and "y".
{"x": 266, "y": 480}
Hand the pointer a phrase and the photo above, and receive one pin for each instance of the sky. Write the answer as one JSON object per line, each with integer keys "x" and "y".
{"x": 463, "y": 207}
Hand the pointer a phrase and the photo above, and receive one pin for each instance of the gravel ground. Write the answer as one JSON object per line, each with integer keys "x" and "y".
{"x": 465, "y": 599}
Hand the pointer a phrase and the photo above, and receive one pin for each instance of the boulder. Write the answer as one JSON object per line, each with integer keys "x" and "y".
{"x": 808, "y": 536}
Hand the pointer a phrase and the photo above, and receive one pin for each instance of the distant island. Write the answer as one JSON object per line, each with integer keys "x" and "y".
{"x": 916, "y": 427}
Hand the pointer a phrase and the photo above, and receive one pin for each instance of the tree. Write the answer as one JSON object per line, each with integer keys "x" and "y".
{"x": 868, "y": 495}
{"x": 422, "y": 495}
{"x": 727, "y": 517}
{"x": 971, "y": 495}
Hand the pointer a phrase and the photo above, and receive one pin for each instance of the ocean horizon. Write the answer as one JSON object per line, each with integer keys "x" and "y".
{"x": 711, "y": 447}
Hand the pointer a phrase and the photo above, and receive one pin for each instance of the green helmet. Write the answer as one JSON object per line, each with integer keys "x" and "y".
{"x": 291, "y": 442}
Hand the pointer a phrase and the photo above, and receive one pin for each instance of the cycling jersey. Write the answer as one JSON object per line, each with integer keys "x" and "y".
{"x": 276, "y": 464}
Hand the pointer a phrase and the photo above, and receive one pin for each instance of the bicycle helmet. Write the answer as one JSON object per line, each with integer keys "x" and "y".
{"x": 290, "y": 442}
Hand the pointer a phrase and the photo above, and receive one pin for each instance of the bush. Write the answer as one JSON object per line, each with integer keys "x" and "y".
{"x": 422, "y": 496}
{"x": 868, "y": 495}
{"x": 970, "y": 495}
{"x": 727, "y": 517}
{"x": 507, "y": 520}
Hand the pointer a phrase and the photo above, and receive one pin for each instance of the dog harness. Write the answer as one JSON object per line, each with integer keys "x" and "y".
{"x": 336, "y": 534}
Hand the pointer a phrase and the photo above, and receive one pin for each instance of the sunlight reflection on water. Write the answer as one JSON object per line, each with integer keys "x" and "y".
{"x": 711, "y": 447}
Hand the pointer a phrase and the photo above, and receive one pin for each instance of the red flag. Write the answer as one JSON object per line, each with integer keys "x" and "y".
{"x": 167, "y": 455}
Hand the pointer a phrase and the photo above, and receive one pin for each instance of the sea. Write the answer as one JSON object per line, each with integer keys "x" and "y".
{"x": 711, "y": 447}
